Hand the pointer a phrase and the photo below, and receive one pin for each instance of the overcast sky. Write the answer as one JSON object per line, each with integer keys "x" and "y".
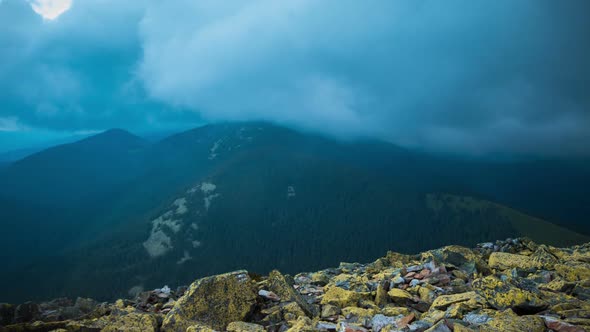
{"x": 484, "y": 78}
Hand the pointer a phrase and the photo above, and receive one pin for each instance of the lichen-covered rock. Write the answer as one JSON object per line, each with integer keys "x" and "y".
{"x": 512, "y": 285}
{"x": 319, "y": 278}
{"x": 444, "y": 301}
{"x": 508, "y": 321}
{"x": 398, "y": 260}
{"x": 303, "y": 324}
{"x": 557, "y": 285}
{"x": 244, "y": 327}
{"x": 433, "y": 316}
{"x": 87, "y": 325}
{"x": 457, "y": 310}
{"x": 395, "y": 311}
{"x": 501, "y": 294}
{"x": 215, "y": 301}
{"x": 134, "y": 322}
{"x": 506, "y": 261}
{"x": 461, "y": 257}
{"x": 329, "y": 310}
{"x": 381, "y": 297}
{"x": 199, "y": 328}
{"x": 399, "y": 296}
{"x": 279, "y": 285}
{"x": 271, "y": 315}
{"x": 441, "y": 326}
{"x": 120, "y": 304}
{"x": 573, "y": 271}
{"x": 342, "y": 298}
{"x": 426, "y": 293}
{"x": 358, "y": 315}
{"x": 291, "y": 311}
{"x": 544, "y": 258}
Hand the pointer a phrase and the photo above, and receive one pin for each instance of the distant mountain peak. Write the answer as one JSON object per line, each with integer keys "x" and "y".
{"x": 115, "y": 132}
{"x": 114, "y": 136}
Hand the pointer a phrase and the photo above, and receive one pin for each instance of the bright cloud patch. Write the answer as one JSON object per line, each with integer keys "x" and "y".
{"x": 50, "y": 9}
{"x": 9, "y": 124}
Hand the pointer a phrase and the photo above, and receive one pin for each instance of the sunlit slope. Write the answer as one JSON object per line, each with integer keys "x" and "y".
{"x": 538, "y": 230}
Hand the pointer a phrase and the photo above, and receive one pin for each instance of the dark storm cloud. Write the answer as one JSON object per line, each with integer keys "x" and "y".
{"x": 460, "y": 76}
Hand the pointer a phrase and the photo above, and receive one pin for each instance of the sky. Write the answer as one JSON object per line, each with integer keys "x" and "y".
{"x": 473, "y": 78}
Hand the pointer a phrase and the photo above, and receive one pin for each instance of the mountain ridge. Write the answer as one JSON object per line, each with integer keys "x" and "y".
{"x": 254, "y": 186}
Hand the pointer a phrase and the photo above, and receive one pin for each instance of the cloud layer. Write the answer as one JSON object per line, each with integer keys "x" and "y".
{"x": 465, "y": 77}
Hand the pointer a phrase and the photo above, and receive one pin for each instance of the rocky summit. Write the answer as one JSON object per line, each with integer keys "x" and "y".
{"x": 512, "y": 285}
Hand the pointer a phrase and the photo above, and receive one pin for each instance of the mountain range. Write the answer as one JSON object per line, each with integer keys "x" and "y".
{"x": 113, "y": 214}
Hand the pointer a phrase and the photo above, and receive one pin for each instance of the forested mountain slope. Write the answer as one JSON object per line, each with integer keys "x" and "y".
{"x": 240, "y": 195}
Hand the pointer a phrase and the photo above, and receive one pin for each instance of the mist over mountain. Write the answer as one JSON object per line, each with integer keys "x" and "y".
{"x": 133, "y": 213}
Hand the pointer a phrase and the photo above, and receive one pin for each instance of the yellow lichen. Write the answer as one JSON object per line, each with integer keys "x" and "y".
{"x": 573, "y": 271}
{"x": 381, "y": 297}
{"x": 556, "y": 285}
{"x": 398, "y": 260}
{"x": 135, "y": 322}
{"x": 278, "y": 284}
{"x": 319, "y": 278}
{"x": 399, "y": 295}
{"x": 244, "y": 327}
{"x": 360, "y": 314}
{"x": 120, "y": 304}
{"x": 329, "y": 310}
{"x": 215, "y": 301}
{"x": 395, "y": 311}
{"x": 505, "y": 261}
{"x": 433, "y": 316}
{"x": 443, "y": 301}
{"x": 292, "y": 311}
{"x": 342, "y": 297}
{"x": 303, "y": 324}
{"x": 501, "y": 294}
{"x": 510, "y": 322}
{"x": 426, "y": 292}
{"x": 199, "y": 328}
